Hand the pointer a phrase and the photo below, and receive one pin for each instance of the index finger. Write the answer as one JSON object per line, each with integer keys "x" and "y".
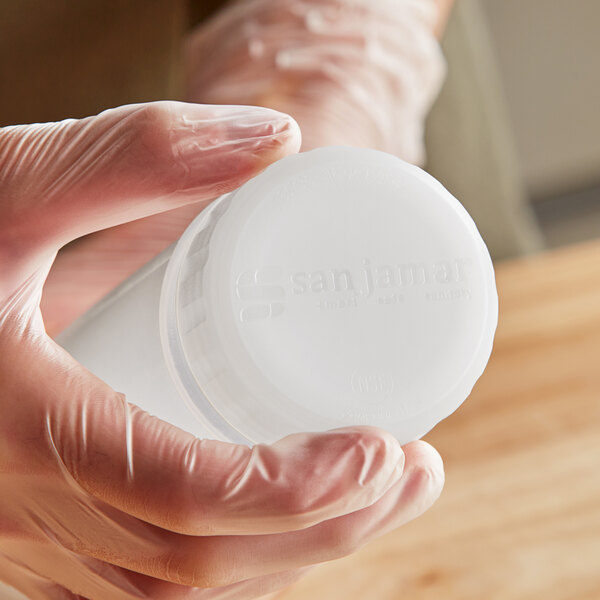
{"x": 165, "y": 476}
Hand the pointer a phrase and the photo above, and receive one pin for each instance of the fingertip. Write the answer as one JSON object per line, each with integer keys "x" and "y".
{"x": 331, "y": 473}
{"x": 295, "y": 134}
{"x": 425, "y": 467}
{"x": 221, "y": 147}
{"x": 378, "y": 455}
{"x": 421, "y": 451}
{"x": 385, "y": 442}
{"x": 285, "y": 139}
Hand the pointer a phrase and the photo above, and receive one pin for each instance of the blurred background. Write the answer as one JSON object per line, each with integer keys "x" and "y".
{"x": 522, "y": 99}
{"x": 515, "y": 133}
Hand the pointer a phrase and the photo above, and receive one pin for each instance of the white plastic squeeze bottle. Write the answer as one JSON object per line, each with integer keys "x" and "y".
{"x": 341, "y": 286}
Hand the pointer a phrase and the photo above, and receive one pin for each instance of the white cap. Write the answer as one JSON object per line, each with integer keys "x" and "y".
{"x": 341, "y": 286}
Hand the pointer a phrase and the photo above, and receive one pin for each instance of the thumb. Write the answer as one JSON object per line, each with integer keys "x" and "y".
{"x": 63, "y": 180}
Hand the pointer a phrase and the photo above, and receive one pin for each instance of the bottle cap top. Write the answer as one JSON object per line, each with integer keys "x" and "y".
{"x": 340, "y": 286}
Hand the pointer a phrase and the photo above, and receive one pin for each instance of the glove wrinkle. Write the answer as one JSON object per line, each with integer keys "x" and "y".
{"x": 354, "y": 73}
{"x": 103, "y": 501}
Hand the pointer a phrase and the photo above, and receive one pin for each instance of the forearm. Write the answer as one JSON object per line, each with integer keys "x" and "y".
{"x": 351, "y": 73}
{"x": 444, "y": 10}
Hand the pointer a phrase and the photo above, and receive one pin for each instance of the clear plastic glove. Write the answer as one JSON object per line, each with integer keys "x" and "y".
{"x": 100, "y": 500}
{"x": 353, "y": 72}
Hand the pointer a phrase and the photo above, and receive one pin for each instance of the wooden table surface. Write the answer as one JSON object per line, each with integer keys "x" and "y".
{"x": 519, "y": 517}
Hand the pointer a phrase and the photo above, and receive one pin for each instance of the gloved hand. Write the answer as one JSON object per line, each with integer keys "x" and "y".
{"x": 352, "y": 72}
{"x": 100, "y": 500}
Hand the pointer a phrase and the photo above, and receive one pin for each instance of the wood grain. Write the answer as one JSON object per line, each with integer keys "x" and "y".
{"x": 520, "y": 514}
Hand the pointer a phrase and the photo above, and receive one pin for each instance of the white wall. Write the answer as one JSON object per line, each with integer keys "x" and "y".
{"x": 548, "y": 54}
